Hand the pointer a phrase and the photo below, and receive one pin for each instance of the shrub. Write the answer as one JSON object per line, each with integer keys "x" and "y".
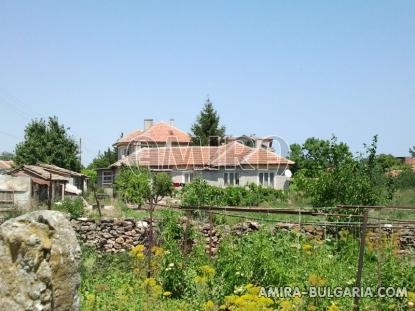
{"x": 74, "y": 207}
{"x": 137, "y": 185}
{"x": 200, "y": 193}
{"x": 405, "y": 180}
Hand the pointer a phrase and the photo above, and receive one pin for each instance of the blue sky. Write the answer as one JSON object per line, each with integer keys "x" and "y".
{"x": 289, "y": 68}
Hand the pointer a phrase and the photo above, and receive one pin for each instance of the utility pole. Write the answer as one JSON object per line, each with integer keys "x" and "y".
{"x": 80, "y": 150}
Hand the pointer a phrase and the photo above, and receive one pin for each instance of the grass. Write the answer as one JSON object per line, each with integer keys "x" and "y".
{"x": 196, "y": 282}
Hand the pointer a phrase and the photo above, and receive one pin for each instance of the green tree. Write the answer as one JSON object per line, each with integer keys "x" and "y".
{"x": 412, "y": 151}
{"x": 356, "y": 180}
{"x": 206, "y": 130}
{"x": 138, "y": 185}
{"x": 48, "y": 142}
{"x": 92, "y": 181}
{"x": 388, "y": 162}
{"x": 103, "y": 160}
{"x": 6, "y": 156}
{"x": 200, "y": 193}
{"x": 318, "y": 154}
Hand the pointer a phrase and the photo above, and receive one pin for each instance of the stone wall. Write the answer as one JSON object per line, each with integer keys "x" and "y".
{"x": 405, "y": 237}
{"x": 119, "y": 235}
{"x": 111, "y": 235}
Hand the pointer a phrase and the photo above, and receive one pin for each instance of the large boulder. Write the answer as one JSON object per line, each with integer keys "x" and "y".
{"x": 39, "y": 263}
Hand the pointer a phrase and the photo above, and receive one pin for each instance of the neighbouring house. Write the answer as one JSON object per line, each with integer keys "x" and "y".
{"x": 410, "y": 162}
{"x": 76, "y": 179}
{"x": 160, "y": 134}
{"x": 46, "y": 179}
{"x": 162, "y": 147}
{"x": 6, "y": 166}
{"x": 15, "y": 192}
{"x": 252, "y": 141}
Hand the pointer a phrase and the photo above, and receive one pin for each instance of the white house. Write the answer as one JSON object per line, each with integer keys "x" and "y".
{"x": 163, "y": 147}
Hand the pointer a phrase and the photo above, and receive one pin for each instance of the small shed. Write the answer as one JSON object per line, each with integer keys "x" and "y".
{"x": 41, "y": 180}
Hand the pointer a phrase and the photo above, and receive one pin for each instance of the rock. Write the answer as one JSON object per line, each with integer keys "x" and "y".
{"x": 119, "y": 240}
{"x": 39, "y": 263}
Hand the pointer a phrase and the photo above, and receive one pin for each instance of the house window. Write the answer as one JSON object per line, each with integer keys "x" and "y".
{"x": 107, "y": 178}
{"x": 266, "y": 179}
{"x": 231, "y": 178}
{"x": 188, "y": 177}
{"x": 6, "y": 197}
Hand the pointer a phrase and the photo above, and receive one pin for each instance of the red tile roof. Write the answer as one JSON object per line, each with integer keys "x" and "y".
{"x": 232, "y": 154}
{"x": 160, "y": 132}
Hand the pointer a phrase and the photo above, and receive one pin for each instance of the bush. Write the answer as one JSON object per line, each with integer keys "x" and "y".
{"x": 74, "y": 207}
{"x": 137, "y": 185}
{"x": 200, "y": 193}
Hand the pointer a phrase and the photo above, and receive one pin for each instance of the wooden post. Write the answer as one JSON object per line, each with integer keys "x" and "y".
{"x": 360, "y": 261}
{"x": 96, "y": 199}
{"x": 150, "y": 238}
{"x": 186, "y": 234}
{"x": 50, "y": 192}
{"x": 210, "y": 234}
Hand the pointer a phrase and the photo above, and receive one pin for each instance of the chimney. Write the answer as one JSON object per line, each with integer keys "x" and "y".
{"x": 172, "y": 123}
{"x": 147, "y": 124}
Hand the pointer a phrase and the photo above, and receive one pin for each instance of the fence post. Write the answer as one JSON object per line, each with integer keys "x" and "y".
{"x": 150, "y": 238}
{"x": 360, "y": 261}
{"x": 210, "y": 233}
{"x": 186, "y": 234}
{"x": 50, "y": 192}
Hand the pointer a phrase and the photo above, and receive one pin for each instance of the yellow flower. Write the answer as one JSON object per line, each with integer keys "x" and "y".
{"x": 209, "y": 305}
{"x": 150, "y": 282}
{"x": 315, "y": 280}
{"x": 90, "y": 297}
{"x": 167, "y": 294}
{"x": 207, "y": 270}
{"x": 333, "y": 307}
{"x": 286, "y": 305}
{"x": 200, "y": 280}
{"x": 137, "y": 249}
{"x": 308, "y": 247}
{"x": 157, "y": 251}
{"x": 253, "y": 290}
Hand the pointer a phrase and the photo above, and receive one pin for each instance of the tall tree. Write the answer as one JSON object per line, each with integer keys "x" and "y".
{"x": 48, "y": 142}
{"x": 206, "y": 130}
{"x": 412, "y": 151}
{"x": 105, "y": 159}
{"x": 318, "y": 154}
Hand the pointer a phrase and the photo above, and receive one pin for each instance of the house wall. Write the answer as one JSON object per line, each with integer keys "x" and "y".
{"x": 21, "y": 188}
{"x": 246, "y": 176}
{"x": 213, "y": 177}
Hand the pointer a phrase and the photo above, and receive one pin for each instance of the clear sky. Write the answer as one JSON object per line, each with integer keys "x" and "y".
{"x": 290, "y": 68}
